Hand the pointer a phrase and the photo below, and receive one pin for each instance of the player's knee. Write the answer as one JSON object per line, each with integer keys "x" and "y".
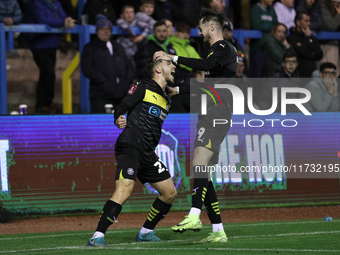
{"x": 171, "y": 195}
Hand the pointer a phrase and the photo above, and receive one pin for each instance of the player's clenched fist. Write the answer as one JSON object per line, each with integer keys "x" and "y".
{"x": 121, "y": 122}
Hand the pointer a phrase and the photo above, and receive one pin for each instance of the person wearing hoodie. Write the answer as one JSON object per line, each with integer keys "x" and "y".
{"x": 305, "y": 45}
{"x": 324, "y": 90}
{"x": 158, "y": 41}
{"x": 105, "y": 63}
{"x": 313, "y": 8}
{"x": 274, "y": 46}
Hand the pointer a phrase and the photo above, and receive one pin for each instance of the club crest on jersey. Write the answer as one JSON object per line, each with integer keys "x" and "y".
{"x": 154, "y": 111}
{"x": 132, "y": 89}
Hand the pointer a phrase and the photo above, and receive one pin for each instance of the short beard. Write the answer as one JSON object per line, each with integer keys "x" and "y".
{"x": 169, "y": 81}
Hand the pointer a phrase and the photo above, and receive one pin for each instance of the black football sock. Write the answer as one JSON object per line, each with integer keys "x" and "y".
{"x": 199, "y": 192}
{"x": 211, "y": 205}
{"x": 157, "y": 212}
{"x": 109, "y": 214}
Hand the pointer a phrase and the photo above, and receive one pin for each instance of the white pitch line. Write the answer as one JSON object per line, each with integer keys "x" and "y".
{"x": 226, "y": 225}
{"x": 155, "y": 249}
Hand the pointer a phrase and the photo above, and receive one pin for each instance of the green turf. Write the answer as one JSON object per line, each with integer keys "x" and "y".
{"x": 284, "y": 237}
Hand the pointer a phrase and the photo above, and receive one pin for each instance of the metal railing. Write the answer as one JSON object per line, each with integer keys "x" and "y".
{"x": 84, "y": 32}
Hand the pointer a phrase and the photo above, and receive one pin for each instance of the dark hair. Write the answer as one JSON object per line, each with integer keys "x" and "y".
{"x": 289, "y": 54}
{"x": 299, "y": 16}
{"x": 151, "y": 66}
{"x": 276, "y": 26}
{"x": 325, "y": 65}
{"x": 159, "y": 23}
{"x": 126, "y": 6}
{"x": 215, "y": 16}
{"x": 183, "y": 27}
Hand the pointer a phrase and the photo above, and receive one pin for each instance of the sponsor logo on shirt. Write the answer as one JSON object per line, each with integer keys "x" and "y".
{"x": 154, "y": 111}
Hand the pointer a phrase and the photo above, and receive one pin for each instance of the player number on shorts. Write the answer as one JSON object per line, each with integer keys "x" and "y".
{"x": 200, "y": 133}
{"x": 160, "y": 166}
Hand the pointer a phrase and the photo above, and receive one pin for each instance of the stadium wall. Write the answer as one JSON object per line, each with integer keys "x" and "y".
{"x": 61, "y": 163}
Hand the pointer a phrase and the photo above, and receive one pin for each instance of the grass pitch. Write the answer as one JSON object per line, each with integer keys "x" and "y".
{"x": 285, "y": 237}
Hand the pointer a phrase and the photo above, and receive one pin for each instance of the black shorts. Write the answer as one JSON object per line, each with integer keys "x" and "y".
{"x": 211, "y": 137}
{"x": 133, "y": 162}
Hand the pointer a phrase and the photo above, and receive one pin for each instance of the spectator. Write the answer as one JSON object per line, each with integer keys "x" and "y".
{"x": 241, "y": 65}
{"x": 228, "y": 30}
{"x": 10, "y": 12}
{"x": 324, "y": 90}
{"x": 182, "y": 47}
{"x": 287, "y": 72}
{"x": 262, "y": 17}
{"x": 94, "y": 7}
{"x": 331, "y": 16}
{"x": 305, "y": 45}
{"x": 146, "y": 9}
{"x": 44, "y": 48}
{"x": 313, "y": 8}
{"x": 169, "y": 27}
{"x": 126, "y": 22}
{"x": 158, "y": 41}
{"x": 105, "y": 63}
{"x": 274, "y": 46}
{"x": 289, "y": 66}
{"x": 285, "y": 12}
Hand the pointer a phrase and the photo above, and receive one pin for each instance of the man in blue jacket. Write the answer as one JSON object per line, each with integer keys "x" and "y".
{"x": 44, "y": 48}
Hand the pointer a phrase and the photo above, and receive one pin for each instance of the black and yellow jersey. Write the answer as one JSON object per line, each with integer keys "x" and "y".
{"x": 221, "y": 61}
{"x": 147, "y": 106}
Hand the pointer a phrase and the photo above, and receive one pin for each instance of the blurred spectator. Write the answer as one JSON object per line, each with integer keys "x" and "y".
{"x": 128, "y": 20}
{"x": 10, "y": 12}
{"x": 324, "y": 90}
{"x": 146, "y": 9}
{"x": 169, "y": 27}
{"x": 313, "y": 8}
{"x": 44, "y": 48}
{"x": 289, "y": 66}
{"x": 287, "y": 72}
{"x": 241, "y": 65}
{"x": 94, "y": 7}
{"x": 181, "y": 45}
{"x": 305, "y": 45}
{"x": 227, "y": 31}
{"x": 105, "y": 63}
{"x": 331, "y": 16}
{"x": 158, "y": 41}
{"x": 169, "y": 9}
{"x": 262, "y": 17}
{"x": 274, "y": 46}
{"x": 285, "y": 12}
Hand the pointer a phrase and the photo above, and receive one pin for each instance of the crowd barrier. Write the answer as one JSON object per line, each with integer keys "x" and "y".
{"x": 84, "y": 32}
